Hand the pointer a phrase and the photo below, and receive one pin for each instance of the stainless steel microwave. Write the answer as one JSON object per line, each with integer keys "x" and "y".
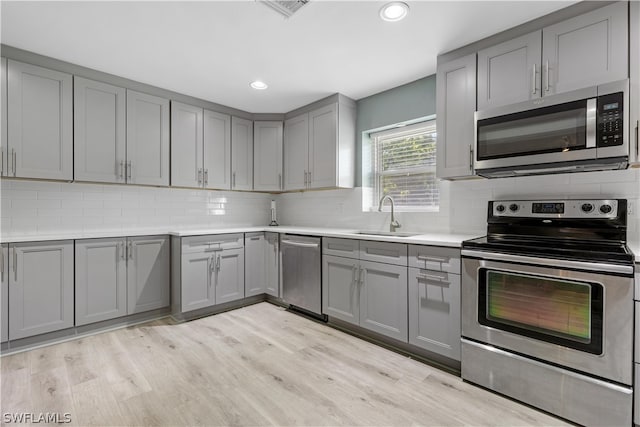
{"x": 583, "y": 130}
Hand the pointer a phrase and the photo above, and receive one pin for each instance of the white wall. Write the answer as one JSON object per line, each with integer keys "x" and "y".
{"x": 39, "y": 207}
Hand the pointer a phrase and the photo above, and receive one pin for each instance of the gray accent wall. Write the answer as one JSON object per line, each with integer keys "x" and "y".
{"x": 407, "y": 102}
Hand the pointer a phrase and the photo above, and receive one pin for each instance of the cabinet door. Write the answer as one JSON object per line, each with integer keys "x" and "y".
{"x": 4, "y": 293}
{"x": 383, "y": 299}
{"x": 241, "y": 154}
{"x": 229, "y": 276}
{"x": 340, "y": 288}
{"x": 148, "y": 280}
{"x": 634, "y": 83}
{"x": 196, "y": 282}
{"x": 456, "y": 104}
{"x": 267, "y": 154}
{"x": 101, "y": 280}
{"x": 4, "y": 151}
{"x": 40, "y": 117}
{"x": 147, "y": 139}
{"x": 255, "y": 279}
{"x": 323, "y": 143}
{"x": 186, "y": 145}
{"x": 510, "y": 72}
{"x": 40, "y": 288}
{"x": 99, "y": 113}
{"x": 434, "y": 311}
{"x": 217, "y": 150}
{"x": 296, "y": 152}
{"x": 272, "y": 264}
{"x": 587, "y": 50}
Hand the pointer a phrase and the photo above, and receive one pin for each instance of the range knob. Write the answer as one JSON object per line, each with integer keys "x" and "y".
{"x": 500, "y": 208}
{"x": 513, "y": 207}
{"x": 605, "y": 209}
{"x": 586, "y": 207}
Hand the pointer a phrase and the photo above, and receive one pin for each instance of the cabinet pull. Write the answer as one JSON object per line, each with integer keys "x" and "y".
{"x": 546, "y": 72}
{"x": 2, "y": 162}
{"x": 199, "y": 176}
{"x": 206, "y": 177}
{"x": 471, "y": 157}
{"x": 431, "y": 258}
{"x": 534, "y": 88}
{"x": 15, "y": 161}
{"x": 2, "y": 265}
{"x": 254, "y": 238}
{"x": 129, "y": 167}
{"x": 305, "y": 178}
{"x": 233, "y": 180}
{"x": 121, "y": 169}
{"x": 353, "y": 274}
{"x": 130, "y": 249}
{"x": 637, "y": 143}
{"x": 15, "y": 264}
{"x": 218, "y": 263}
{"x": 309, "y": 179}
{"x": 122, "y": 250}
{"x": 433, "y": 278}
{"x": 363, "y": 275}
{"x": 280, "y": 175}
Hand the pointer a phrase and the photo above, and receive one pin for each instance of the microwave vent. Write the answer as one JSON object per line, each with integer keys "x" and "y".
{"x": 284, "y": 7}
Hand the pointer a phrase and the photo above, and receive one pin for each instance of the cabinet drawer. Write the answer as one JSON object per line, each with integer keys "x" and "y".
{"x": 213, "y": 242}
{"x": 389, "y": 253}
{"x": 340, "y": 247}
{"x": 435, "y": 258}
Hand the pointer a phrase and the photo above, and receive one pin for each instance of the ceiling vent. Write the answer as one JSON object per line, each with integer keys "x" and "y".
{"x": 284, "y": 7}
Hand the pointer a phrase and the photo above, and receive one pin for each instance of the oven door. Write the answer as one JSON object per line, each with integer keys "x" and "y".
{"x": 566, "y": 313}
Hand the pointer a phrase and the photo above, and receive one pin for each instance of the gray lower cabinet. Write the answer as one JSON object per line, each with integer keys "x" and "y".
{"x": 434, "y": 311}
{"x": 148, "y": 269}
{"x": 229, "y": 275}
{"x": 383, "y": 299}
{"x": 340, "y": 288}
{"x": 255, "y": 281}
{"x": 196, "y": 284}
{"x": 101, "y": 280}
{"x": 272, "y": 263}
{"x": 4, "y": 293}
{"x": 40, "y": 287}
{"x": 116, "y": 277}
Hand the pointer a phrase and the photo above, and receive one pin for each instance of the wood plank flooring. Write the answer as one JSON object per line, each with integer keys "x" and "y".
{"x": 258, "y": 365}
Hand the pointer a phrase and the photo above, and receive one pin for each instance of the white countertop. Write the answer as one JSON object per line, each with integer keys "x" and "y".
{"x": 434, "y": 239}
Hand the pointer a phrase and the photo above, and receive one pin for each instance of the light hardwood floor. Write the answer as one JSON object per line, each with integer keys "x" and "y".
{"x": 258, "y": 365}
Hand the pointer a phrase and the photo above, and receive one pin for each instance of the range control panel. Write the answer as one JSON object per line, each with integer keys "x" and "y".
{"x": 610, "y": 125}
{"x": 555, "y": 208}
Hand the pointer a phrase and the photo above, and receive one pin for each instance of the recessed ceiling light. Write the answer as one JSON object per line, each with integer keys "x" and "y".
{"x": 394, "y": 11}
{"x": 259, "y": 85}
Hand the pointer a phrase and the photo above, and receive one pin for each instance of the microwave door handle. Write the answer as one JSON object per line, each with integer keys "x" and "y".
{"x": 591, "y": 123}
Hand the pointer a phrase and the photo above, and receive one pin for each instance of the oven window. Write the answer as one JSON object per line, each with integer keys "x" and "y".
{"x": 556, "y": 310}
{"x": 554, "y": 129}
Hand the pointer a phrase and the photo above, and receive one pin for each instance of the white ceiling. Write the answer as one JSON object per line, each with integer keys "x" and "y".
{"x": 214, "y": 49}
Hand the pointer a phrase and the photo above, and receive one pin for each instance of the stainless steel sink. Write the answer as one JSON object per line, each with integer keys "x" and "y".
{"x": 386, "y": 233}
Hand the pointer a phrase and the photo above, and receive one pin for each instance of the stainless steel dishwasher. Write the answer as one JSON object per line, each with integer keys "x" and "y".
{"x": 301, "y": 269}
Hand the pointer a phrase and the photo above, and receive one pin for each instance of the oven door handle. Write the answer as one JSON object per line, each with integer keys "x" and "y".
{"x": 549, "y": 262}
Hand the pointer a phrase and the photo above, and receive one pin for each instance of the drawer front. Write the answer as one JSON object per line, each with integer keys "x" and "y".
{"x": 347, "y": 248}
{"x": 214, "y": 242}
{"x": 388, "y": 253}
{"x": 435, "y": 258}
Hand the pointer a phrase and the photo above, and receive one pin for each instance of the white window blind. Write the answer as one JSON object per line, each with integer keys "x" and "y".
{"x": 404, "y": 166}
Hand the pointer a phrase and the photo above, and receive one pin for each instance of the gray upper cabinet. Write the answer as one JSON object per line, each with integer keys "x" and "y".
{"x": 101, "y": 280}
{"x": 241, "y": 154}
{"x": 255, "y": 264}
{"x": 456, "y": 104}
{"x": 272, "y": 264}
{"x": 99, "y": 131}
{"x": 217, "y": 150}
{"x": 634, "y": 81}
{"x": 510, "y": 72}
{"x": 147, "y": 139}
{"x": 4, "y": 151}
{"x": 39, "y": 122}
{"x": 148, "y": 280}
{"x": 434, "y": 311}
{"x": 267, "y": 154}
{"x": 4, "y": 293}
{"x": 40, "y": 288}
{"x": 587, "y": 50}
{"x": 323, "y": 149}
{"x": 296, "y": 152}
{"x": 187, "y": 165}
{"x": 229, "y": 275}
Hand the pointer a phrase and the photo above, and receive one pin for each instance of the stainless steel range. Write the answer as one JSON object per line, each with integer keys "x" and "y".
{"x": 547, "y": 308}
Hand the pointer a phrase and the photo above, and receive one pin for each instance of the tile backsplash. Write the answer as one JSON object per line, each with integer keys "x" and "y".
{"x": 42, "y": 207}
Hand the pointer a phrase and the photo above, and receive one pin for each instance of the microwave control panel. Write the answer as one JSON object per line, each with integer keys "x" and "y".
{"x": 610, "y": 129}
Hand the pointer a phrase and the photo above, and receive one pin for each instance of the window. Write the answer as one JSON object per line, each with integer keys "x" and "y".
{"x": 403, "y": 166}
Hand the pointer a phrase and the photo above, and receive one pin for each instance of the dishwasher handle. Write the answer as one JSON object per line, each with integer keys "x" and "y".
{"x": 300, "y": 244}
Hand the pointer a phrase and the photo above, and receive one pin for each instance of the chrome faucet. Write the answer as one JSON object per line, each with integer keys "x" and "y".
{"x": 394, "y": 224}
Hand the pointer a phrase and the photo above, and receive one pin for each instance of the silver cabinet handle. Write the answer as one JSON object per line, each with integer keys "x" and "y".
{"x": 122, "y": 250}
{"x": 471, "y": 158}
{"x": 14, "y": 154}
{"x": 254, "y": 238}
{"x": 300, "y": 244}
{"x": 199, "y": 176}
{"x": 431, "y": 258}
{"x": 353, "y": 274}
{"x": 637, "y": 143}
{"x": 2, "y": 162}
{"x": 121, "y": 169}
{"x": 15, "y": 264}
{"x": 233, "y": 180}
{"x": 130, "y": 249}
{"x": 280, "y": 175}
{"x": 2, "y": 265}
{"x": 432, "y": 277}
{"x": 129, "y": 170}
{"x": 363, "y": 276}
{"x": 546, "y": 72}
{"x": 309, "y": 179}
{"x": 206, "y": 177}
{"x": 534, "y": 88}
{"x": 218, "y": 263}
